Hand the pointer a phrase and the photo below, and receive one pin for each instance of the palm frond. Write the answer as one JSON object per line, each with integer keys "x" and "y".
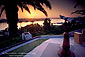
{"x": 2, "y": 9}
{"x": 31, "y": 2}
{"x": 39, "y": 7}
{"x": 82, "y": 12}
{"x": 76, "y": 5}
{"x": 47, "y": 3}
{"x": 80, "y": 2}
{"x": 23, "y": 4}
{"x": 20, "y": 5}
{"x": 36, "y": 5}
{"x": 26, "y": 8}
{"x": 2, "y": 2}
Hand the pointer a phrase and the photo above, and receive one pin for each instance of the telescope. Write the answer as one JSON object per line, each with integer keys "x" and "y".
{"x": 68, "y": 19}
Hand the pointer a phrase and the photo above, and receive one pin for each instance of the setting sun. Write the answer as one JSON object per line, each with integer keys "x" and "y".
{"x": 34, "y": 13}
{"x": 30, "y": 15}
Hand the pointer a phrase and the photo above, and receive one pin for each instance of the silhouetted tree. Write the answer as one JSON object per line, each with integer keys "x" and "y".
{"x": 32, "y": 22}
{"x": 11, "y": 8}
{"x": 34, "y": 29}
{"x": 47, "y": 25}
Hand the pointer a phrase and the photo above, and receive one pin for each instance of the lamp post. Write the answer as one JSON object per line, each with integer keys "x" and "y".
{"x": 65, "y": 51}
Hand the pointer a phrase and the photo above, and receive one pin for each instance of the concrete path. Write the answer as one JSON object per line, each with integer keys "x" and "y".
{"x": 48, "y": 48}
{"x": 79, "y": 50}
{"x": 51, "y": 36}
{"x": 51, "y": 47}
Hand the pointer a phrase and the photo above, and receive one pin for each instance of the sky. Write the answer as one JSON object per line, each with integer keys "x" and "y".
{"x": 59, "y": 7}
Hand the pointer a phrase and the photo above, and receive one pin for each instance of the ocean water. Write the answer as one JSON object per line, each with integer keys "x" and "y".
{"x": 23, "y": 24}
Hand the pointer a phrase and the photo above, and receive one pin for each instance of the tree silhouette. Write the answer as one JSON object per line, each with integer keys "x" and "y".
{"x": 47, "y": 25}
{"x": 80, "y": 2}
{"x": 11, "y": 8}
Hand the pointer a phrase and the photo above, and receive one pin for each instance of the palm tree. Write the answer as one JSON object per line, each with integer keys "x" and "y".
{"x": 80, "y": 2}
{"x": 11, "y": 8}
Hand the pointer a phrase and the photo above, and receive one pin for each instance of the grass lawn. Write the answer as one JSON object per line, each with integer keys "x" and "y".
{"x": 25, "y": 49}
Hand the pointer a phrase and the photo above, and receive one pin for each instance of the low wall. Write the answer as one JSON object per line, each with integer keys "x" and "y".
{"x": 79, "y": 38}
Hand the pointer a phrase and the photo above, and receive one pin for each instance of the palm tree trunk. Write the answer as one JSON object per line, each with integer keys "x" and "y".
{"x": 12, "y": 17}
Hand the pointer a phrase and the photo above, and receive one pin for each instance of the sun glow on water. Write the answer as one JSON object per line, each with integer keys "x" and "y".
{"x": 23, "y": 24}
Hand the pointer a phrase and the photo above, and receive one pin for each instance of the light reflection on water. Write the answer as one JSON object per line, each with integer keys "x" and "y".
{"x": 54, "y": 21}
{"x": 28, "y": 23}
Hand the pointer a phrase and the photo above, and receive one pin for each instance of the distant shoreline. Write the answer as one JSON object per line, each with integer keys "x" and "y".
{"x": 26, "y": 19}
{"x": 3, "y": 20}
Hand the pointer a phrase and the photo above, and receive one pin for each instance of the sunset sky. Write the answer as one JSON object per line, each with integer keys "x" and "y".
{"x": 59, "y": 7}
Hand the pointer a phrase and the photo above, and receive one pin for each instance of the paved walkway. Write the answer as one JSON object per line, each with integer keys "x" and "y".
{"x": 51, "y": 47}
{"x": 51, "y": 36}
